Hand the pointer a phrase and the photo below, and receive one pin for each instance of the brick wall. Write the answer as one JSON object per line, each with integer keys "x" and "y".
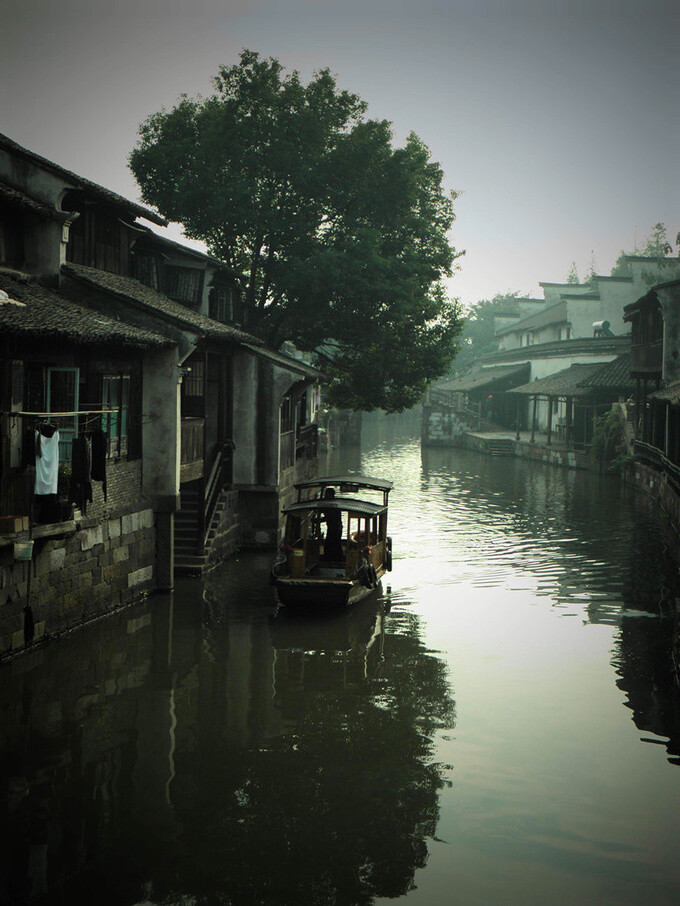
{"x": 441, "y": 427}
{"x": 123, "y": 486}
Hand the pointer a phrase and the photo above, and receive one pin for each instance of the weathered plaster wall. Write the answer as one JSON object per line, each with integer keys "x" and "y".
{"x": 244, "y": 417}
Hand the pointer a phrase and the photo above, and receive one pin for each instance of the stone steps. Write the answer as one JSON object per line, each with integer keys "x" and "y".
{"x": 500, "y": 447}
{"x": 189, "y": 557}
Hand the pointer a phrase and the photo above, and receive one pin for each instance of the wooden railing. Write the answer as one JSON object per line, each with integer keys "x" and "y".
{"x": 287, "y": 450}
{"x": 656, "y": 459}
{"x": 307, "y": 442}
{"x": 211, "y": 490}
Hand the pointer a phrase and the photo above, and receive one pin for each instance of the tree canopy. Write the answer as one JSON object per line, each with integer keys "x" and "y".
{"x": 478, "y": 337}
{"x": 656, "y": 245}
{"x": 340, "y": 238}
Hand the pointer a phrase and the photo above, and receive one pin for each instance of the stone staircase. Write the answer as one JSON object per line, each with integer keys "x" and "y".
{"x": 500, "y": 446}
{"x": 191, "y": 554}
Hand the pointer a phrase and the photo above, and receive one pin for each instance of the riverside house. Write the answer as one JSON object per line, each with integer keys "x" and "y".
{"x": 107, "y": 327}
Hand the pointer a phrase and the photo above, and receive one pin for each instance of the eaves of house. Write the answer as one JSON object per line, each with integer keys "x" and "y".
{"x": 154, "y": 303}
{"x": 555, "y": 314}
{"x": 106, "y": 195}
{"x": 31, "y": 310}
{"x": 560, "y": 349}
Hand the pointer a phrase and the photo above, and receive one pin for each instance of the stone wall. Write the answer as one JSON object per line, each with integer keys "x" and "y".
{"x": 80, "y": 571}
{"x": 441, "y": 427}
{"x": 657, "y": 485}
{"x": 568, "y": 459}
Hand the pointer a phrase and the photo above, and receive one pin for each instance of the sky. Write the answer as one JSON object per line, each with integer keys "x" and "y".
{"x": 556, "y": 121}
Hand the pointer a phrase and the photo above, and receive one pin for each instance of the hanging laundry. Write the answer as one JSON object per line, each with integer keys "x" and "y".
{"x": 80, "y": 491}
{"x": 99, "y": 447}
{"x": 30, "y": 447}
{"x": 46, "y": 460}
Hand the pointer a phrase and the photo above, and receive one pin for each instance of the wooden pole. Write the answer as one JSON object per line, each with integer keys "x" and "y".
{"x": 533, "y": 421}
{"x": 550, "y": 413}
{"x": 570, "y": 421}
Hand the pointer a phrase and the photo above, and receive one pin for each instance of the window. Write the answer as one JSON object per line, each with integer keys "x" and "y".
{"x": 287, "y": 413}
{"x": 116, "y": 395}
{"x": 221, "y": 302}
{"x": 183, "y": 284}
{"x": 145, "y": 268}
{"x": 192, "y": 383}
{"x": 62, "y": 395}
{"x": 107, "y": 245}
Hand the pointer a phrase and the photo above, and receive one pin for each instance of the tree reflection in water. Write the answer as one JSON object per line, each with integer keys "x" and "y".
{"x": 334, "y": 800}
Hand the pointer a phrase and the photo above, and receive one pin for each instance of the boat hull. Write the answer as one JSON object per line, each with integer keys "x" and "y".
{"x": 319, "y": 594}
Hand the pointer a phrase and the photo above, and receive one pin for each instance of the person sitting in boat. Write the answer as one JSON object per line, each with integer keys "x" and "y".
{"x": 332, "y": 547}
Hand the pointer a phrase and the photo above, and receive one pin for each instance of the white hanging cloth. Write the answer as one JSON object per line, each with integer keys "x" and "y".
{"x": 47, "y": 464}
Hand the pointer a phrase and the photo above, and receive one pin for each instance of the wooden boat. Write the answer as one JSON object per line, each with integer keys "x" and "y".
{"x": 320, "y": 572}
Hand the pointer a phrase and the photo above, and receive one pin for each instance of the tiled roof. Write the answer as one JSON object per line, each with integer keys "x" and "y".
{"x": 21, "y": 199}
{"x": 106, "y": 194}
{"x": 614, "y": 375}
{"x": 45, "y": 313}
{"x": 484, "y": 378}
{"x": 559, "y": 349}
{"x": 285, "y": 361}
{"x": 670, "y": 394}
{"x": 131, "y": 290}
{"x": 568, "y": 382}
{"x": 556, "y": 314}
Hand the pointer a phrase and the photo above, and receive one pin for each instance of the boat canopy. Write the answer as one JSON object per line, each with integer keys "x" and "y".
{"x": 349, "y": 481}
{"x": 345, "y": 504}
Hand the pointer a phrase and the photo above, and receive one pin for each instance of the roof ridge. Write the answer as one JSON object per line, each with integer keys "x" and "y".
{"x": 141, "y": 211}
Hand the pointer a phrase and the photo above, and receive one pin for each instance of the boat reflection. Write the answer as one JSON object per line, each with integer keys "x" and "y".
{"x": 346, "y": 646}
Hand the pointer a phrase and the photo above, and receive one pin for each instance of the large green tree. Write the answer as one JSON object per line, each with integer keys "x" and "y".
{"x": 341, "y": 238}
{"x": 656, "y": 245}
{"x": 478, "y": 337}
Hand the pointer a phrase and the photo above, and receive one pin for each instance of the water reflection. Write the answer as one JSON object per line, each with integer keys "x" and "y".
{"x": 211, "y": 748}
{"x": 225, "y": 752}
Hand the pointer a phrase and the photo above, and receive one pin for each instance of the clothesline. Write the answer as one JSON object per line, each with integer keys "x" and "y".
{"x": 64, "y": 414}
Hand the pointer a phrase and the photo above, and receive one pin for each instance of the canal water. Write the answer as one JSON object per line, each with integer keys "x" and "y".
{"x": 500, "y": 726}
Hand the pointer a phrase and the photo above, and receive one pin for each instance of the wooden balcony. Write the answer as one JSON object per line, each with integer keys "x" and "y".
{"x": 647, "y": 358}
{"x": 192, "y": 451}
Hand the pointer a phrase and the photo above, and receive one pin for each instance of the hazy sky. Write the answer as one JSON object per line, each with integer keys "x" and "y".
{"x": 558, "y": 121}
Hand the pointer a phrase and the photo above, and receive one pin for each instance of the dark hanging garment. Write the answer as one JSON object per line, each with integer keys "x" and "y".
{"x": 29, "y": 625}
{"x": 30, "y": 447}
{"x": 80, "y": 491}
{"x": 99, "y": 446}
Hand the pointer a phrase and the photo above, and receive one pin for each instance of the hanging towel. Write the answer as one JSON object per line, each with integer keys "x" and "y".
{"x": 47, "y": 464}
{"x": 99, "y": 445}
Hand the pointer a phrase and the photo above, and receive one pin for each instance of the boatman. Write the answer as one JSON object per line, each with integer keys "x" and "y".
{"x": 332, "y": 548}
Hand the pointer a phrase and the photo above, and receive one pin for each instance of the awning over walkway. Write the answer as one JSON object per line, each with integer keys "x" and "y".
{"x": 486, "y": 378}
{"x": 614, "y": 375}
{"x": 565, "y": 383}
{"x": 285, "y": 361}
{"x": 670, "y": 394}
